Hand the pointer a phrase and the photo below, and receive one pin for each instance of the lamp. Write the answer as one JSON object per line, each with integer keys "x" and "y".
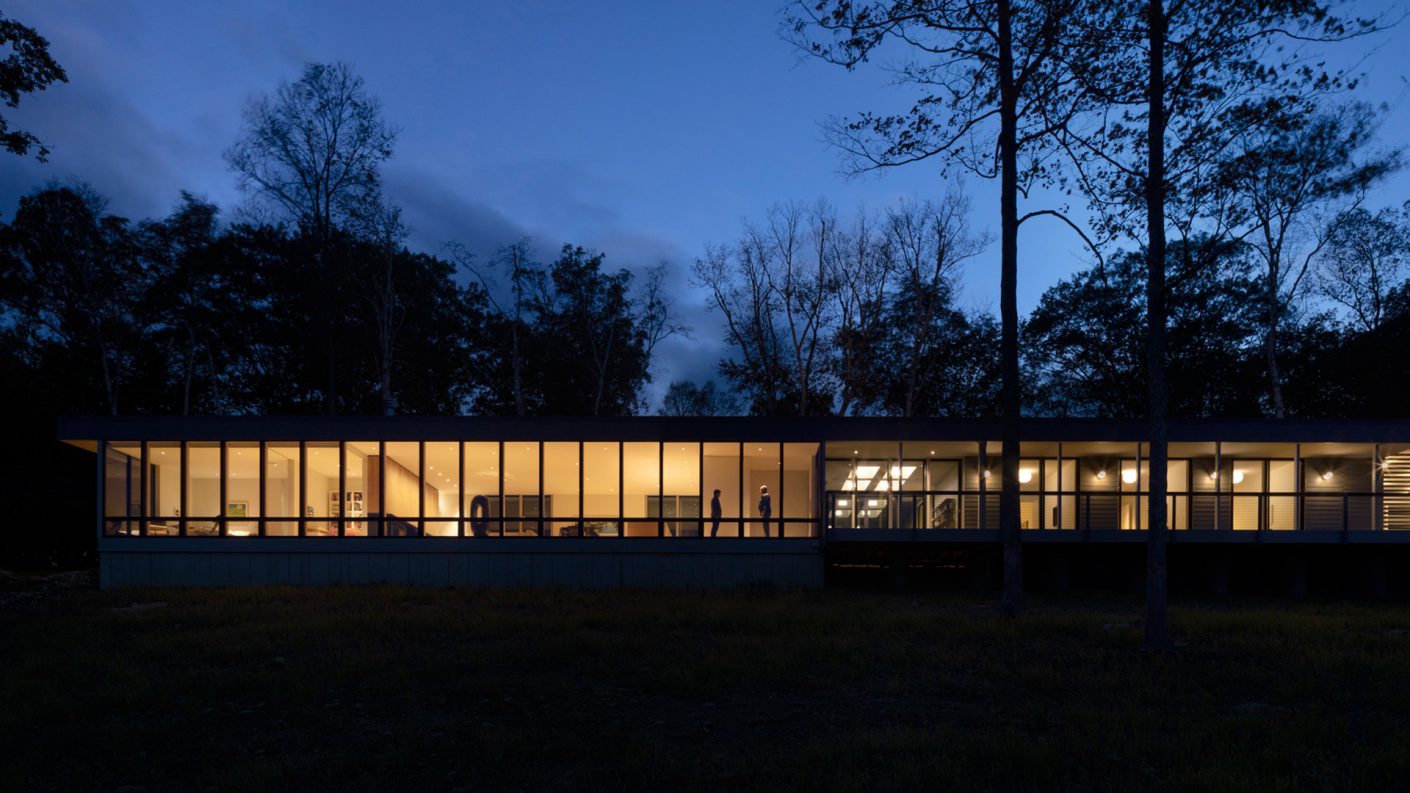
{"x": 1238, "y": 476}
{"x": 1129, "y": 476}
{"x": 1025, "y": 475}
{"x": 1101, "y": 474}
{"x": 1327, "y": 476}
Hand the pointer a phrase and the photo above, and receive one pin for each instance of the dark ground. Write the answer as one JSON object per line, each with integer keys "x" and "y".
{"x": 388, "y": 688}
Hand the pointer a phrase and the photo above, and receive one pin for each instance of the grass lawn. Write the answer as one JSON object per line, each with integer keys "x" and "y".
{"x": 362, "y": 689}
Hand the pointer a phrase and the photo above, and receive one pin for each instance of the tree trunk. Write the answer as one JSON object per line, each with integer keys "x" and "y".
{"x": 190, "y": 371}
{"x": 1274, "y": 314}
{"x": 1009, "y": 531}
{"x": 1157, "y": 616}
{"x": 389, "y": 405}
{"x": 516, "y": 276}
{"x": 331, "y": 397}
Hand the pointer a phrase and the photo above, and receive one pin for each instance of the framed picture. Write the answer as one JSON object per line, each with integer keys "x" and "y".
{"x": 237, "y": 509}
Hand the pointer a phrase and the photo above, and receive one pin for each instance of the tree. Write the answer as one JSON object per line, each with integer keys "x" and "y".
{"x": 1279, "y": 172}
{"x": 575, "y": 341}
{"x": 1169, "y": 90}
{"x": 1085, "y": 346}
{"x": 72, "y": 278}
{"x": 525, "y": 277}
{"x": 1364, "y": 257}
{"x": 380, "y": 224}
{"x": 684, "y": 398}
{"x": 772, "y": 289}
{"x": 314, "y": 150}
{"x": 979, "y": 65}
{"x": 29, "y": 68}
{"x": 312, "y": 154}
{"x": 188, "y": 287}
{"x": 931, "y": 241}
{"x": 861, "y": 277}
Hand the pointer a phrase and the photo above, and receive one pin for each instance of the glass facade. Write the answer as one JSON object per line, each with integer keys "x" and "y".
{"x": 752, "y": 489}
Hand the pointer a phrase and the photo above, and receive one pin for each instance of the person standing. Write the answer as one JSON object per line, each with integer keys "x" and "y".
{"x": 715, "y": 514}
{"x": 766, "y": 507}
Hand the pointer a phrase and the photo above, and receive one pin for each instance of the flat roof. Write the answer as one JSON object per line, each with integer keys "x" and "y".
{"x": 87, "y": 429}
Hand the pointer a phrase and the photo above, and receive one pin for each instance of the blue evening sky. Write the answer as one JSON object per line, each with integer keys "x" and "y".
{"x": 642, "y": 129}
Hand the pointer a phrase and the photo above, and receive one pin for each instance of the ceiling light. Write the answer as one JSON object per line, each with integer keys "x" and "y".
{"x": 843, "y": 502}
{"x": 867, "y": 471}
{"x": 902, "y": 471}
{"x": 1129, "y": 476}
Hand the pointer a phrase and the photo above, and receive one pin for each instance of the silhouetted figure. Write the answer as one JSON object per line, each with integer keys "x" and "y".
{"x": 715, "y": 514}
{"x": 766, "y": 507}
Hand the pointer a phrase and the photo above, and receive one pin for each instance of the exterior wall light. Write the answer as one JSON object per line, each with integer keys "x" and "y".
{"x": 1129, "y": 476}
{"x": 1025, "y": 475}
{"x": 1101, "y": 474}
{"x": 1327, "y": 477}
{"x": 1238, "y": 476}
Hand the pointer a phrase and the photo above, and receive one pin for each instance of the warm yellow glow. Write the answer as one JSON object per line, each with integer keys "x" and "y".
{"x": 883, "y": 485}
{"x": 1238, "y": 476}
{"x": 1327, "y": 477}
{"x": 844, "y": 502}
{"x": 1129, "y": 476}
{"x": 902, "y": 472}
{"x": 1101, "y": 474}
{"x": 1025, "y": 475}
{"x": 986, "y": 473}
{"x": 867, "y": 471}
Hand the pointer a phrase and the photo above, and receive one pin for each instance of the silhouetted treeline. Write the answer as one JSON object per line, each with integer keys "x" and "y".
{"x": 182, "y": 316}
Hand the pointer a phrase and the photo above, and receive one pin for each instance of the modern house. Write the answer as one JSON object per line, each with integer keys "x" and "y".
{"x": 577, "y": 502}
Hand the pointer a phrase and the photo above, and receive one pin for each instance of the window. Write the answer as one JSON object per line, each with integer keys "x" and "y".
{"x": 442, "y": 489}
{"x": 122, "y": 488}
{"x": 203, "y": 506}
{"x": 761, "y": 479}
{"x": 799, "y": 487}
{"x": 241, "y": 508}
{"x": 321, "y": 489}
{"x": 281, "y": 489}
{"x": 641, "y": 472}
{"x": 481, "y": 506}
{"x": 680, "y": 482}
{"x": 721, "y": 470}
{"x": 360, "y": 490}
{"x": 402, "y": 489}
{"x": 561, "y": 486}
{"x": 521, "y": 489}
{"x": 163, "y": 488}
{"x": 602, "y": 504}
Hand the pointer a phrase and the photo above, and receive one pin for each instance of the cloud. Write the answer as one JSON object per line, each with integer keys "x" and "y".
{"x": 437, "y": 214}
